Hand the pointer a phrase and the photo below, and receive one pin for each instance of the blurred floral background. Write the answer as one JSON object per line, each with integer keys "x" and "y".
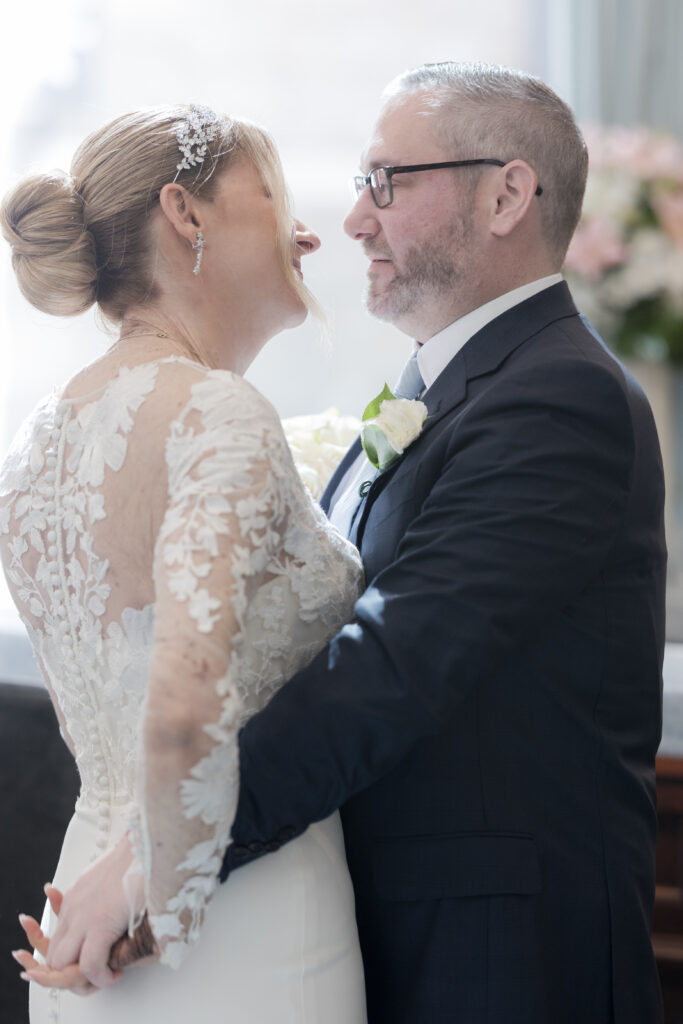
{"x": 625, "y": 263}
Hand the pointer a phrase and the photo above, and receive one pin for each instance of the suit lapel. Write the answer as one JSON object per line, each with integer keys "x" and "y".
{"x": 338, "y": 475}
{"x": 483, "y": 353}
{"x": 488, "y": 348}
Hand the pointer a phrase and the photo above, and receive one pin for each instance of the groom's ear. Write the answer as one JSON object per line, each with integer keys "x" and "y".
{"x": 180, "y": 209}
{"x": 512, "y": 192}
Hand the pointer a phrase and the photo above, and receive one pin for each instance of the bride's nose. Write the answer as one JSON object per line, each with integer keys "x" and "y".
{"x": 306, "y": 240}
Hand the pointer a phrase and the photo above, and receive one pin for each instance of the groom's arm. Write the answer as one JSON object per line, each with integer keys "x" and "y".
{"x": 531, "y": 496}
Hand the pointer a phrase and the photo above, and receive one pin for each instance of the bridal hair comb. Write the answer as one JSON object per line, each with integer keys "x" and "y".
{"x": 199, "y": 128}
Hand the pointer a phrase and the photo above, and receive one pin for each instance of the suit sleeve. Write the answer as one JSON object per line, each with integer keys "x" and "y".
{"x": 532, "y": 492}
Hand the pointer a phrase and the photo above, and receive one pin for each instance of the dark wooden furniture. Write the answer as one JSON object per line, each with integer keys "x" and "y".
{"x": 667, "y": 929}
{"x": 38, "y": 789}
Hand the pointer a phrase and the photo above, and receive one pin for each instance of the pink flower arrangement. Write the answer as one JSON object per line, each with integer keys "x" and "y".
{"x": 625, "y": 262}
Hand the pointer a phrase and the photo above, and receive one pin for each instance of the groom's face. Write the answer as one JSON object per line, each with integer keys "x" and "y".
{"x": 422, "y": 247}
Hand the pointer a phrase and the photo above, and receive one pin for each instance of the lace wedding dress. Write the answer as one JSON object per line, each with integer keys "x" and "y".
{"x": 159, "y": 543}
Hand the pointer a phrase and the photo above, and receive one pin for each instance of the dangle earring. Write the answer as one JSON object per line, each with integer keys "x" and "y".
{"x": 199, "y": 249}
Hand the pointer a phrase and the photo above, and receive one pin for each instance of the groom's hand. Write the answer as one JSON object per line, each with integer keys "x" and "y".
{"x": 127, "y": 950}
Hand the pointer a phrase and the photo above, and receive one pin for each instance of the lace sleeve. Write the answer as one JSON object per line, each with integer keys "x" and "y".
{"x": 222, "y": 526}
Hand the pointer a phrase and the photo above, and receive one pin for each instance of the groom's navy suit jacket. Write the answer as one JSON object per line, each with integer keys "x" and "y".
{"x": 488, "y": 723}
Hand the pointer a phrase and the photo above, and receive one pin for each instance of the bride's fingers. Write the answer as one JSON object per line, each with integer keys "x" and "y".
{"x": 54, "y": 896}
{"x": 70, "y": 978}
{"x": 34, "y": 934}
{"x": 65, "y": 944}
{"x": 94, "y": 959}
{"x": 25, "y": 959}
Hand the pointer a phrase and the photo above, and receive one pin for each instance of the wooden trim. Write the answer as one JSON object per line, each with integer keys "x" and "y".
{"x": 668, "y": 948}
{"x": 669, "y": 767}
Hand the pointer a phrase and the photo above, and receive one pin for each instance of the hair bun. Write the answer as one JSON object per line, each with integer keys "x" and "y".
{"x": 53, "y": 254}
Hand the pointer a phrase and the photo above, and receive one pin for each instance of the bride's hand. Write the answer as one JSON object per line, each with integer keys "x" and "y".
{"x": 93, "y": 915}
{"x": 71, "y": 977}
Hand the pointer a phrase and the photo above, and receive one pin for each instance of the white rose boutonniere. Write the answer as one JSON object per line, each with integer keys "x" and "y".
{"x": 390, "y": 425}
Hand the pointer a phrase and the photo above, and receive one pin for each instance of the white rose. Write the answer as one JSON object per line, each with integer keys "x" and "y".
{"x": 402, "y": 420}
{"x": 399, "y": 423}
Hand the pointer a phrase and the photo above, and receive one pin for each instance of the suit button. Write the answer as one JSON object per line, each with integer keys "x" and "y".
{"x": 240, "y": 851}
{"x": 286, "y": 833}
{"x": 273, "y": 845}
{"x": 255, "y": 847}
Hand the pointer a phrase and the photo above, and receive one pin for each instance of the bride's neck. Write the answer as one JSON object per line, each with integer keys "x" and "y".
{"x": 223, "y": 342}
{"x": 157, "y": 332}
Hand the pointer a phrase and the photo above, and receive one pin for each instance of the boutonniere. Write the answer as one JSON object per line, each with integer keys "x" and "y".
{"x": 390, "y": 425}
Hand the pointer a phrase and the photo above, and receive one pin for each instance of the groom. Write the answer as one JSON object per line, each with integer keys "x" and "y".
{"x": 488, "y": 724}
{"x": 489, "y": 721}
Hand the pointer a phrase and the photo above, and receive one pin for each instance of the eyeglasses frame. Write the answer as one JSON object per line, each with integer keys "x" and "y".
{"x": 411, "y": 169}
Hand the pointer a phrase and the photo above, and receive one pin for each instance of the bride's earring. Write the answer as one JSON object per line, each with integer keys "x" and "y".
{"x": 199, "y": 249}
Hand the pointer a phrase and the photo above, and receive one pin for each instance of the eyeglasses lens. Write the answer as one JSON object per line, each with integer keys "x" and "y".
{"x": 380, "y": 183}
{"x": 358, "y": 184}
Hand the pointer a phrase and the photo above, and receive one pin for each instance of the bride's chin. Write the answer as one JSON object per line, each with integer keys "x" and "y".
{"x": 296, "y": 315}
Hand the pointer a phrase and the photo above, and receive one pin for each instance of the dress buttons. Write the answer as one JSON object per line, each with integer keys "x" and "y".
{"x": 50, "y": 476}
{"x": 255, "y": 847}
{"x": 51, "y": 536}
{"x": 272, "y": 845}
{"x": 240, "y": 852}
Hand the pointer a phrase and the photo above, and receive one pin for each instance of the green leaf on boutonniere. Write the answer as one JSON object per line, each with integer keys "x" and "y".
{"x": 377, "y": 448}
{"x": 372, "y": 410}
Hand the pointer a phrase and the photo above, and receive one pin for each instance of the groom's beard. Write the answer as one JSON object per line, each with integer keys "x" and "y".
{"x": 428, "y": 270}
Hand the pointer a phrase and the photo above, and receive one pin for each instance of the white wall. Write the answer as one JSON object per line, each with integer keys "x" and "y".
{"x": 312, "y": 71}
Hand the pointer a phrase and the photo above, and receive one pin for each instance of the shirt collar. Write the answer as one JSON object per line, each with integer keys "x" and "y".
{"x": 436, "y": 353}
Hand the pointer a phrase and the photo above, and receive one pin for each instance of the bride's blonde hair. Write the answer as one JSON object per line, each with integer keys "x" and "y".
{"x": 83, "y": 238}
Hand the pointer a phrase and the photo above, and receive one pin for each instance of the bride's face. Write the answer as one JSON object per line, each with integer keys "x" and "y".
{"x": 242, "y": 257}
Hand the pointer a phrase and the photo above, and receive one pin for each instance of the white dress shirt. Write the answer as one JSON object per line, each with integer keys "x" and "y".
{"x": 432, "y": 358}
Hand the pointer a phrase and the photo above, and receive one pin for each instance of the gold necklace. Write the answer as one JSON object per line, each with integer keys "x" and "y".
{"x": 144, "y": 329}
{"x": 140, "y": 329}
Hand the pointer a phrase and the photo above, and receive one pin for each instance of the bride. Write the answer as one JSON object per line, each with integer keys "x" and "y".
{"x": 169, "y": 566}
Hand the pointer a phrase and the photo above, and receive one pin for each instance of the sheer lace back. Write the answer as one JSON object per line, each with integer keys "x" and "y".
{"x": 171, "y": 570}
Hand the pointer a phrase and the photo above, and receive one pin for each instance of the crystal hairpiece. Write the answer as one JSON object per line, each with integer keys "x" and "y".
{"x": 197, "y": 130}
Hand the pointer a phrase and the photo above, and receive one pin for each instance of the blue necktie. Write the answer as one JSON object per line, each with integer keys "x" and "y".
{"x": 410, "y": 384}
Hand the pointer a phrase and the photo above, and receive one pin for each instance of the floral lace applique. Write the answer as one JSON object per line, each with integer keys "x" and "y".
{"x": 249, "y": 581}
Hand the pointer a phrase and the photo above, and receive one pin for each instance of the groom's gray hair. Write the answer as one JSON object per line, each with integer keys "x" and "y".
{"x": 485, "y": 110}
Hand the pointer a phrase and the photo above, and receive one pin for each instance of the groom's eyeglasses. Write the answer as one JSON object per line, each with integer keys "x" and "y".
{"x": 379, "y": 178}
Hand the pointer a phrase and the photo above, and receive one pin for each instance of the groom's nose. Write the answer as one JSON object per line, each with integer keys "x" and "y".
{"x": 361, "y": 221}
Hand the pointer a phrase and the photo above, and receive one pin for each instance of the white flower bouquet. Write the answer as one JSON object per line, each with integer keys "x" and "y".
{"x": 318, "y": 444}
{"x": 625, "y": 262}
